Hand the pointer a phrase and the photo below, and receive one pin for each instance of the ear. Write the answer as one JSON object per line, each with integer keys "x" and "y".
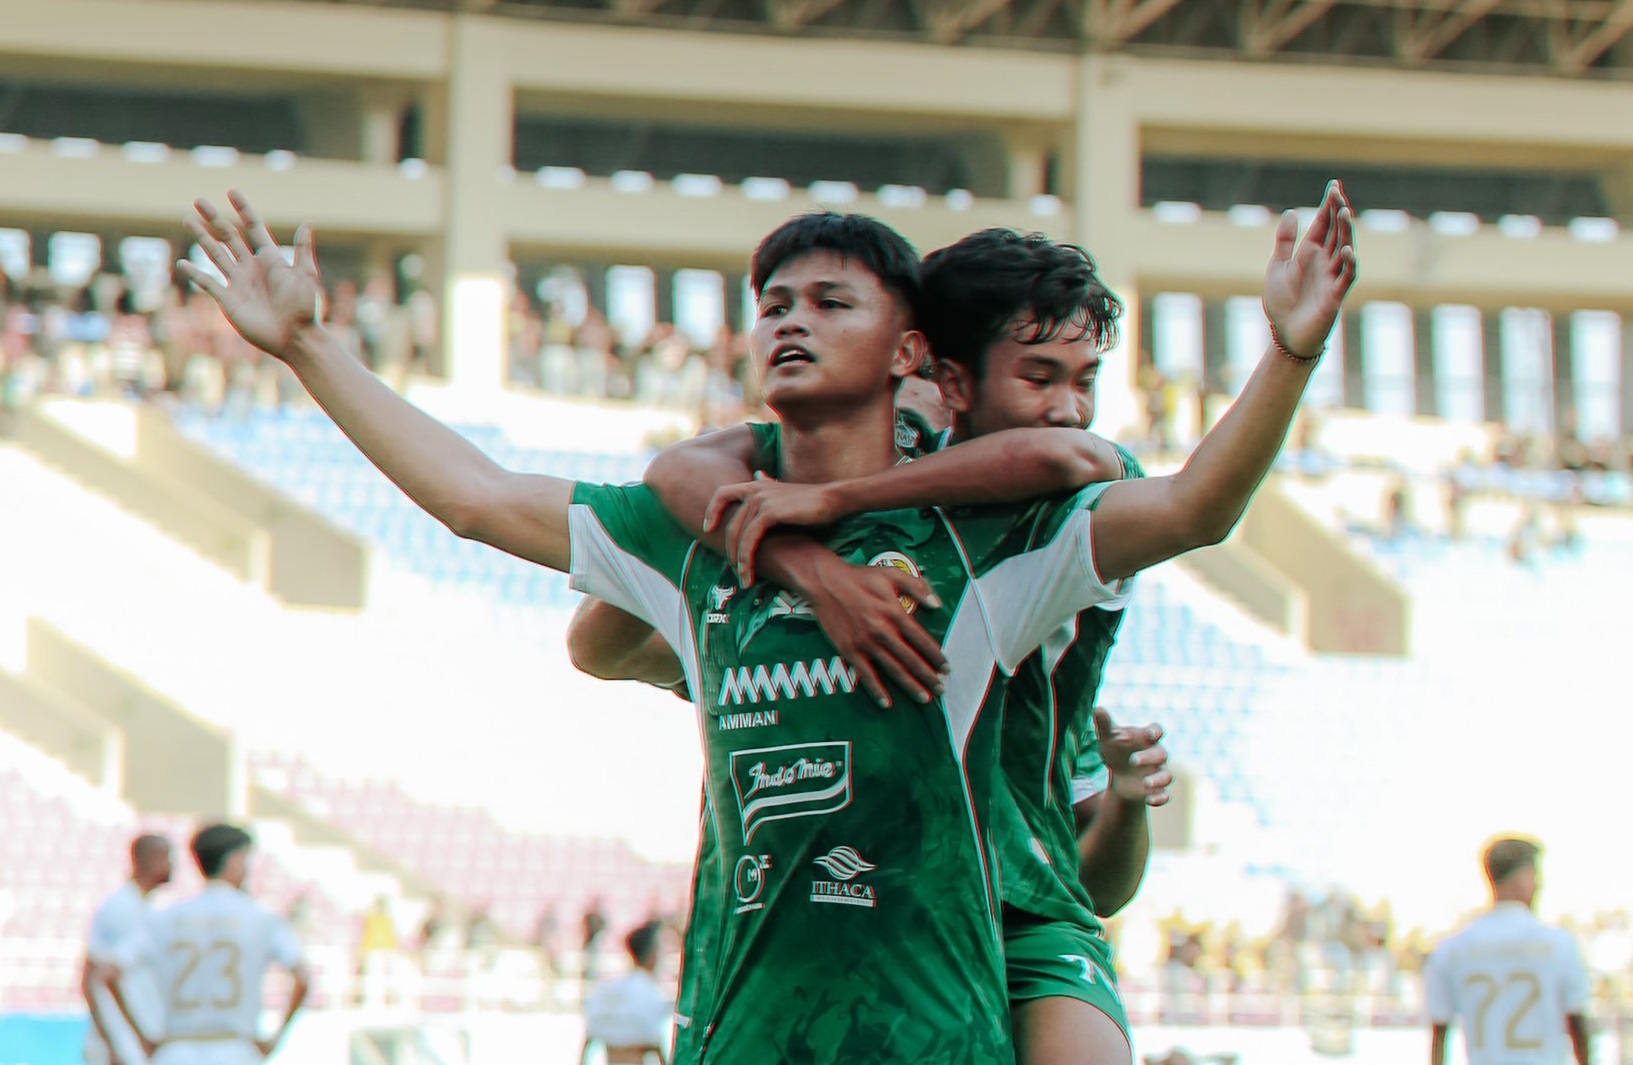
{"x": 910, "y": 355}
{"x": 957, "y": 385}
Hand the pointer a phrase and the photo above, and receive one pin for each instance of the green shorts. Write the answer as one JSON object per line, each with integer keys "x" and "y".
{"x": 1060, "y": 959}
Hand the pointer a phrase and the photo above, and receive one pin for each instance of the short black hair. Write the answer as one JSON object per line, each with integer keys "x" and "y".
{"x": 642, "y": 943}
{"x": 998, "y": 282}
{"x": 854, "y": 237}
{"x": 1507, "y": 856}
{"x": 214, "y": 844}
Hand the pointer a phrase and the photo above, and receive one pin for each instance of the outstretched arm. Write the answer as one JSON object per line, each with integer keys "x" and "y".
{"x": 1141, "y": 523}
{"x": 1003, "y": 467}
{"x": 273, "y": 305}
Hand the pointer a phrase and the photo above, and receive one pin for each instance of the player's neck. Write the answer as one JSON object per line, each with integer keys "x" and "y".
{"x": 838, "y": 445}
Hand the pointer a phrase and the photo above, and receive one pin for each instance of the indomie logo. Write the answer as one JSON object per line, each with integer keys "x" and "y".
{"x": 755, "y": 684}
{"x": 800, "y": 780}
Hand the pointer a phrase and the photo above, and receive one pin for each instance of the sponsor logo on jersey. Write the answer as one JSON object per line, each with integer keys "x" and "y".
{"x": 901, "y": 562}
{"x": 844, "y": 865}
{"x": 802, "y": 680}
{"x": 748, "y": 881}
{"x": 799, "y": 780}
{"x": 719, "y": 596}
{"x": 790, "y": 605}
{"x": 747, "y": 719}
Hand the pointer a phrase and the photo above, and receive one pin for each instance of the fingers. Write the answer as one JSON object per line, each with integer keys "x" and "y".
{"x": 224, "y": 229}
{"x": 910, "y": 672}
{"x": 869, "y": 679}
{"x": 306, "y": 250}
{"x": 1103, "y": 725}
{"x": 212, "y": 248}
{"x": 209, "y": 284}
{"x": 751, "y": 533}
{"x": 249, "y": 221}
{"x": 724, "y": 499}
{"x": 928, "y": 650}
{"x": 746, "y": 516}
{"x": 1156, "y": 788}
{"x": 915, "y": 588}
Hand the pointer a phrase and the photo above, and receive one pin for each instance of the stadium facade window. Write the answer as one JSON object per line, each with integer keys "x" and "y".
{"x": 1327, "y": 382}
{"x": 1459, "y": 363}
{"x": 1389, "y": 365}
{"x": 146, "y": 263}
{"x": 1528, "y": 379}
{"x": 1596, "y": 374}
{"x": 73, "y": 258}
{"x": 1176, "y": 335}
{"x": 700, "y": 305}
{"x": 632, "y": 301}
{"x": 1249, "y": 334}
{"x": 15, "y": 253}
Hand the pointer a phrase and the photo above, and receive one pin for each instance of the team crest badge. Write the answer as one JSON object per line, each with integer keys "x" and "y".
{"x": 901, "y": 562}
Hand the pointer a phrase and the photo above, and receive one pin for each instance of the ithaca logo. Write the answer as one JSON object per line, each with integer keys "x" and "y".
{"x": 844, "y": 864}
{"x": 719, "y": 596}
{"x": 800, "y": 780}
{"x": 754, "y": 684}
{"x": 749, "y": 881}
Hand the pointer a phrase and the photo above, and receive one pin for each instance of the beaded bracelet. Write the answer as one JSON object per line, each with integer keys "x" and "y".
{"x": 1276, "y": 342}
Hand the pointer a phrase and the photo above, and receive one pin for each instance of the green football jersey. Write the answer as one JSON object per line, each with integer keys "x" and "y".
{"x": 853, "y": 910}
{"x": 698, "y": 946}
{"x": 1050, "y": 754}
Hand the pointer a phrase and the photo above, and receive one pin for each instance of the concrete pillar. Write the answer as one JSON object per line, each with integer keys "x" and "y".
{"x": 1626, "y": 382}
{"x": 1355, "y": 385}
{"x": 1215, "y": 347}
{"x": 479, "y": 131}
{"x": 1564, "y": 365}
{"x": 736, "y": 283}
{"x": 1105, "y": 184}
{"x": 1491, "y": 347}
{"x": 1423, "y": 350}
{"x": 663, "y": 296}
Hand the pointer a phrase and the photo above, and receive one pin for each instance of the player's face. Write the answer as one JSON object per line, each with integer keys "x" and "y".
{"x": 828, "y": 333}
{"x": 1026, "y": 386}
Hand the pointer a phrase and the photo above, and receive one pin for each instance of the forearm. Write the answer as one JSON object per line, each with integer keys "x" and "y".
{"x": 1113, "y": 851}
{"x": 1231, "y": 462}
{"x": 435, "y": 466}
{"x": 1004, "y": 467}
{"x": 297, "y": 998}
{"x": 685, "y": 480}
{"x": 87, "y": 985}
{"x": 1581, "y": 1038}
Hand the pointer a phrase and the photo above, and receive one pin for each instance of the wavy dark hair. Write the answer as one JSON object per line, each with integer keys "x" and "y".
{"x": 999, "y": 283}
{"x": 213, "y": 845}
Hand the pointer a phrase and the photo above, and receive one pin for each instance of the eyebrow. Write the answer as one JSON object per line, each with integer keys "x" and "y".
{"x": 1056, "y": 366}
{"x": 818, "y": 288}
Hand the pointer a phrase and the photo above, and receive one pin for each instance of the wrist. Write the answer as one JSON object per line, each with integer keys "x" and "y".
{"x": 1299, "y": 349}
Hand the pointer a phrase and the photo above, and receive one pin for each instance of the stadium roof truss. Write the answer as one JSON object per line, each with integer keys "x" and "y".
{"x": 1572, "y": 38}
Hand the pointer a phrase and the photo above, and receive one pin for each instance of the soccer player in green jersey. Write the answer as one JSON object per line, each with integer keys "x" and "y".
{"x": 861, "y": 925}
{"x": 1020, "y": 323}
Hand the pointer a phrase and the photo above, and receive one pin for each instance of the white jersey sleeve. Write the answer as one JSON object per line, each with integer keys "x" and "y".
{"x": 1029, "y": 595}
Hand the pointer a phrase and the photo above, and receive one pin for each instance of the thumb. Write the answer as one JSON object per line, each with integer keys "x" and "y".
{"x": 1103, "y": 725}
{"x": 1286, "y": 237}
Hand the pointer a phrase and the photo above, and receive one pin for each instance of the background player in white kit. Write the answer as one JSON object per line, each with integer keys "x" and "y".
{"x": 110, "y": 1040}
{"x": 210, "y": 954}
{"x": 630, "y": 1017}
{"x": 1517, "y": 986}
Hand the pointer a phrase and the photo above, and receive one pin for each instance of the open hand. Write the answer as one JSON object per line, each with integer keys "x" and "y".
{"x": 1137, "y": 761}
{"x": 1304, "y": 286}
{"x": 866, "y": 613}
{"x": 267, "y": 299}
{"x": 763, "y": 504}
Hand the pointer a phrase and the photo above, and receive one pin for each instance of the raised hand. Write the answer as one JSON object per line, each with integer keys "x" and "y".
{"x": 1306, "y": 281}
{"x": 763, "y": 504}
{"x": 1137, "y": 761}
{"x": 267, "y": 299}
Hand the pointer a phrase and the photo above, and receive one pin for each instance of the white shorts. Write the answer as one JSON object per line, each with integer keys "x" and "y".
{"x": 208, "y": 1052}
